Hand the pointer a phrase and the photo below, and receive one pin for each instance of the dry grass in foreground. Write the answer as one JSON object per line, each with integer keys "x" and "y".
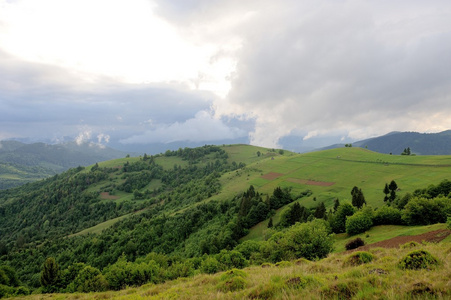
{"x": 378, "y": 273}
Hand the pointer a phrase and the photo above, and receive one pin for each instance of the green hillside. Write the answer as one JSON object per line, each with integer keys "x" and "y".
{"x": 341, "y": 169}
{"x": 207, "y": 209}
{"x": 24, "y": 163}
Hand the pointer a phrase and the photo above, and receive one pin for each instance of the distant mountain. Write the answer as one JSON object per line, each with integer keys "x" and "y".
{"x": 396, "y": 142}
{"x": 21, "y": 163}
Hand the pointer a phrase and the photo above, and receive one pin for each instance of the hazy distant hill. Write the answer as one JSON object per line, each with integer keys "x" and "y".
{"x": 21, "y": 163}
{"x": 396, "y": 142}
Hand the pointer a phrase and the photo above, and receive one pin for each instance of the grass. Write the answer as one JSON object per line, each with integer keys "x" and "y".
{"x": 329, "y": 278}
{"x": 345, "y": 167}
{"x": 101, "y": 226}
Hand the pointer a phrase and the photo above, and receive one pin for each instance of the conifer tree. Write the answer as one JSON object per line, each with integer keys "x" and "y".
{"x": 50, "y": 275}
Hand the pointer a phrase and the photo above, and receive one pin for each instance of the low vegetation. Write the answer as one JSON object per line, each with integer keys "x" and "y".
{"x": 328, "y": 278}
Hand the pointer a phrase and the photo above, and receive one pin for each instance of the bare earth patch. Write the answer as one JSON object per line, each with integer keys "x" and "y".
{"x": 272, "y": 175}
{"x": 310, "y": 182}
{"x": 107, "y": 196}
{"x": 429, "y": 237}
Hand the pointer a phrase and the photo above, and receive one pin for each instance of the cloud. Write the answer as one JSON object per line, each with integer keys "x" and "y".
{"x": 344, "y": 65}
{"x": 209, "y": 70}
{"x": 365, "y": 68}
{"x": 83, "y": 137}
{"x": 203, "y": 127}
{"x": 48, "y": 102}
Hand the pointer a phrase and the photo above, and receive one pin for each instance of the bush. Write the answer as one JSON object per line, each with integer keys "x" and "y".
{"x": 409, "y": 245}
{"x": 210, "y": 265}
{"x": 233, "y": 284}
{"x": 90, "y": 280}
{"x": 231, "y": 259}
{"x": 6, "y": 291}
{"x": 309, "y": 240}
{"x": 358, "y": 258}
{"x": 358, "y": 223}
{"x": 338, "y": 220}
{"x": 283, "y": 264}
{"x": 422, "y": 211}
{"x": 355, "y": 243}
{"x": 387, "y": 215}
{"x": 22, "y": 291}
{"x": 8, "y": 276}
{"x": 232, "y": 280}
{"x": 448, "y": 223}
{"x": 418, "y": 259}
{"x": 179, "y": 269}
{"x": 248, "y": 247}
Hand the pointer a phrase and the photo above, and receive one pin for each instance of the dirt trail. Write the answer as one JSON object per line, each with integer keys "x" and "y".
{"x": 430, "y": 237}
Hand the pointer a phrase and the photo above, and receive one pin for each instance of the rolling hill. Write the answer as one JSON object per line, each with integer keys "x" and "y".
{"x": 188, "y": 205}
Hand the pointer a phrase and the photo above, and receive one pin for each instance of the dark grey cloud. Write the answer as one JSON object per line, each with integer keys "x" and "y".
{"x": 47, "y": 102}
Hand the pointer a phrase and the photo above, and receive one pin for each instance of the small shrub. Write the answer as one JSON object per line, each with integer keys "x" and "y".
{"x": 355, "y": 243}
{"x": 233, "y": 284}
{"x": 418, "y": 259}
{"x": 268, "y": 290}
{"x": 409, "y": 245}
{"x": 267, "y": 265}
{"x": 299, "y": 282}
{"x": 283, "y": 264}
{"x": 341, "y": 290}
{"x": 302, "y": 261}
{"x": 358, "y": 258}
{"x": 421, "y": 289}
{"x": 233, "y": 273}
{"x": 22, "y": 291}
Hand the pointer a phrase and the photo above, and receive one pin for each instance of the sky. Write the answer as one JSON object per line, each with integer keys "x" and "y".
{"x": 271, "y": 73}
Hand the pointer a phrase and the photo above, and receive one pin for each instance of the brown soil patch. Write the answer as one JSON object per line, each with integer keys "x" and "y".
{"x": 272, "y": 175}
{"x": 107, "y": 196}
{"x": 310, "y": 182}
{"x": 430, "y": 237}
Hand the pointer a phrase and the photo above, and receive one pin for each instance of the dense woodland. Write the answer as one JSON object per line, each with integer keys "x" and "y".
{"x": 161, "y": 243}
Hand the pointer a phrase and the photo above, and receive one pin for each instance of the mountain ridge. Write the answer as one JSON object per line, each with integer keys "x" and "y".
{"x": 21, "y": 163}
{"x": 395, "y": 142}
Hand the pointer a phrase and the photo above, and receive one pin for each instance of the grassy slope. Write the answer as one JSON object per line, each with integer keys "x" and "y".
{"x": 345, "y": 167}
{"x": 238, "y": 153}
{"x": 327, "y": 277}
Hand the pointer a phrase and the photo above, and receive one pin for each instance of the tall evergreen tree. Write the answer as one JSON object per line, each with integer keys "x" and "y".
{"x": 270, "y": 224}
{"x": 393, "y": 187}
{"x": 50, "y": 275}
{"x": 357, "y": 197}
{"x": 336, "y": 204}
{"x": 320, "y": 211}
{"x": 386, "y": 192}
